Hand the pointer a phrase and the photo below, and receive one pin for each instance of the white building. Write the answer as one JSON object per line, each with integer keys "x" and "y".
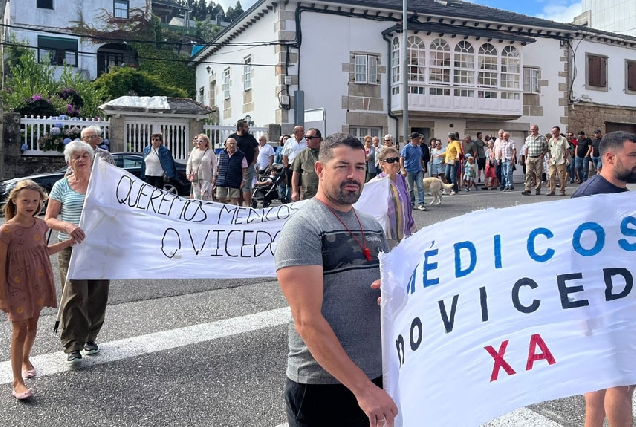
{"x": 471, "y": 68}
{"x": 62, "y": 31}
{"x": 617, "y": 16}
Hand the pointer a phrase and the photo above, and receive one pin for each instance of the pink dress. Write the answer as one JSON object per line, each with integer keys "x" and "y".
{"x": 30, "y": 284}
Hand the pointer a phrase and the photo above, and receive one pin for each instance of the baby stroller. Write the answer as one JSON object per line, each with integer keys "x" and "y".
{"x": 266, "y": 188}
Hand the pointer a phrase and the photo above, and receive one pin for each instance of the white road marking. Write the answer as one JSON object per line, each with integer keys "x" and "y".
{"x": 55, "y": 363}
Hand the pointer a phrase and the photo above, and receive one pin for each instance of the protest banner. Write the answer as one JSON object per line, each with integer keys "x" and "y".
{"x": 499, "y": 309}
{"x": 136, "y": 231}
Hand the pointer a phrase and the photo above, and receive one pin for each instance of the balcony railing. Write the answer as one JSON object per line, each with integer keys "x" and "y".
{"x": 460, "y": 99}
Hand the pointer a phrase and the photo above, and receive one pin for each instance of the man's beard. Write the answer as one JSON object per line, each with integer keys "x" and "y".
{"x": 628, "y": 176}
{"x": 345, "y": 197}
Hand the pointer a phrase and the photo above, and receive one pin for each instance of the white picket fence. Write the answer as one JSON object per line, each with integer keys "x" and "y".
{"x": 218, "y": 134}
{"x": 34, "y": 127}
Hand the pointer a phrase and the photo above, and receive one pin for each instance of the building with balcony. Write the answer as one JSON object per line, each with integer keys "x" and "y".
{"x": 62, "y": 31}
{"x": 470, "y": 68}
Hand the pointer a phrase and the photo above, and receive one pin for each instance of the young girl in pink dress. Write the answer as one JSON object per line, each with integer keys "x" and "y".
{"x": 26, "y": 277}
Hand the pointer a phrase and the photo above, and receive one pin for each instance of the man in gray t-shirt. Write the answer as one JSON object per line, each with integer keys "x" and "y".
{"x": 326, "y": 260}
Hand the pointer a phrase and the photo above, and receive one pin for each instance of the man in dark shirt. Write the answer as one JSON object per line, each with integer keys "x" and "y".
{"x": 249, "y": 146}
{"x": 583, "y": 154}
{"x": 596, "y": 156}
{"x": 618, "y": 152}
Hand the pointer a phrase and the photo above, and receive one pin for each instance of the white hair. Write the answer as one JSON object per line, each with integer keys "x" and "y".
{"x": 95, "y": 128}
{"x": 75, "y": 146}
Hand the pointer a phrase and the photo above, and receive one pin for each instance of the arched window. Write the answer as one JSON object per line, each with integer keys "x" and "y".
{"x": 487, "y": 65}
{"x": 417, "y": 59}
{"x": 510, "y": 68}
{"x": 464, "y": 64}
{"x": 395, "y": 66}
{"x": 440, "y": 62}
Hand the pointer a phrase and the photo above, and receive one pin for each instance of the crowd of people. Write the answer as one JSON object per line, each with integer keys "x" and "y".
{"x": 339, "y": 245}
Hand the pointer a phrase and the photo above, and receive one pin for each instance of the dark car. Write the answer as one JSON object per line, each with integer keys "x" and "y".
{"x": 131, "y": 162}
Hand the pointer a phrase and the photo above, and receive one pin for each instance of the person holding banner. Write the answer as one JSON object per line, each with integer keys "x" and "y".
{"x": 400, "y": 224}
{"x": 201, "y": 168}
{"x": 158, "y": 162}
{"x": 83, "y": 304}
{"x": 334, "y": 365}
{"x": 618, "y": 153}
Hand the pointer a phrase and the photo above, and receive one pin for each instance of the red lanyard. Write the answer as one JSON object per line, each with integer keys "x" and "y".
{"x": 365, "y": 251}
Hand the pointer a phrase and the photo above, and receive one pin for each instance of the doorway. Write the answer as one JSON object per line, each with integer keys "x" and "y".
{"x": 613, "y": 127}
{"x": 426, "y": 132}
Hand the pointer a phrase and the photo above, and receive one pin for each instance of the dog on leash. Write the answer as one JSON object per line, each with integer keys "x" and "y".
{"x": 434, "y": 186}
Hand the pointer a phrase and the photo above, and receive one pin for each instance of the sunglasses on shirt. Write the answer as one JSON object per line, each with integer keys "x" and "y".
{"x": 391, "y": 160}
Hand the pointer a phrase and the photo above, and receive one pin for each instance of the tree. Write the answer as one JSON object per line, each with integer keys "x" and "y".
{"x": 233, "y": 13}
{"x": 123, "y": 81}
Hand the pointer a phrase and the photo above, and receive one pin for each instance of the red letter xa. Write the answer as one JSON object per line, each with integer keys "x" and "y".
{"x": 499, "y": 361}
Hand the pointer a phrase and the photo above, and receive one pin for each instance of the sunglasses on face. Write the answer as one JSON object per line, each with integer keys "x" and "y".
{"x": 311, "y": 137}
{"x": 391, "y": 160}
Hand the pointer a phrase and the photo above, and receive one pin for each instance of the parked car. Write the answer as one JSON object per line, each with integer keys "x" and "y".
{"x": 131, "y": 162}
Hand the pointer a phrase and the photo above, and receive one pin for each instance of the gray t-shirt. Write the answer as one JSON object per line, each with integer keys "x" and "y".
{"x": 314, "y": 236}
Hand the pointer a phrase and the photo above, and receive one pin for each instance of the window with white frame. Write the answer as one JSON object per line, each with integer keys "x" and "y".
{"x": 395, "y": 66}
{"x": 440, "y": 62}
{"x": 247, "y": 73}
{"x": 226, "y": 83}
{"x": 530, "y": 80}
{"x": 120, "y": 9}
{"x": 510, "y": 68}
{"x": 366, "y": 69}
{"x": 417, "y": 59}
{"x": 487, "y": 65}
{"x": 362, "y": 131}
{"x": 464, "y": 64}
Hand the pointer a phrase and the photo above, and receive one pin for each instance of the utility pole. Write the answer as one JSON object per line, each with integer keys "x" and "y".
{"x": 405, "y": 74}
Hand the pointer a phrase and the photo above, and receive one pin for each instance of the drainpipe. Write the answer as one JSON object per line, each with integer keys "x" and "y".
{"x": 388, "y": 82}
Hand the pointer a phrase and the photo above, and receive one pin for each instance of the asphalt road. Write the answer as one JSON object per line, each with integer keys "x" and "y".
{"x": 199, "y": 353}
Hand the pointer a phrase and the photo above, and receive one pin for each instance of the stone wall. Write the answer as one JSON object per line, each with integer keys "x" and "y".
{"x": 588, "y": 117}
{"x": 12, "y": 162}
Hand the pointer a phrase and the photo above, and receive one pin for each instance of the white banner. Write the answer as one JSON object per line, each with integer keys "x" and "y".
{"x": 135, "y": 231}
{"x": 499, "y": 309}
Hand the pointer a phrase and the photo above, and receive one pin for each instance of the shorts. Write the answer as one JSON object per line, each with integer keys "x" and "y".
{"x": 437, "y": 169}
{"x": 250, "y": 175}
{"x": 481, "y": 164}
{"x": 227, "y": 193}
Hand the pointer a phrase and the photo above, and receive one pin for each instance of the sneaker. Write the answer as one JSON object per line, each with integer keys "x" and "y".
{"x": 525, "y": 193}
{"x": 452, "y": 193}
{"x": 466, "y": 189}
{"x": 421, "y": 208}
{"x": 74, "y": 357}
{"x": 444, "y": 193}
{"x": 91, "y": 348}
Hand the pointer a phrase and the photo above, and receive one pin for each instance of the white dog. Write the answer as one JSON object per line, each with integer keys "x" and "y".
{"x": 434, "y": 186}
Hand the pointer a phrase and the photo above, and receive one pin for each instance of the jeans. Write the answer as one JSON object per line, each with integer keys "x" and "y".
{"x": 416, "y": 178}
{"x": 451, "y": 176}
{"x": 506, "y": 173}
{"x": 596, "y": 161}
{"x": 571, "y": 168}
{"x": 500, "y": 177}
{"x": 582, "y": 165}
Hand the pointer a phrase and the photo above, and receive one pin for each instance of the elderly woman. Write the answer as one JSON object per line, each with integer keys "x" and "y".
{"x": 201, "y": 169}
{"x": 158, "y": 162}
{"x": 83, "y": 303}
{"x": 401, "y": 223}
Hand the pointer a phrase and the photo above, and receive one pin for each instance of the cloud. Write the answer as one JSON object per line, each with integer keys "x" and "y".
{"x": 561, "y": 11}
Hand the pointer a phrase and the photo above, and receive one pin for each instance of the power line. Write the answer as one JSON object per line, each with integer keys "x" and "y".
{"x": 145, "y": 58}
{"x": 60, "y": 31}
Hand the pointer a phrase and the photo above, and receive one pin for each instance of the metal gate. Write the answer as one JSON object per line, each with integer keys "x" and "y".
{"x": 176, "y": 136}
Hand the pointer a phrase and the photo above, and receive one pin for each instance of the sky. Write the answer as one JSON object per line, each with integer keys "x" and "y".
{"x": 555, "y": 10}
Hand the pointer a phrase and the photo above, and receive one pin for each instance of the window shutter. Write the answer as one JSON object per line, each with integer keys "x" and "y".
{"x": 631, "y": 76}
{"x": 373, "y": 69}
{"x": 361, "y": 68}
{"x": 603, "y": 65}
